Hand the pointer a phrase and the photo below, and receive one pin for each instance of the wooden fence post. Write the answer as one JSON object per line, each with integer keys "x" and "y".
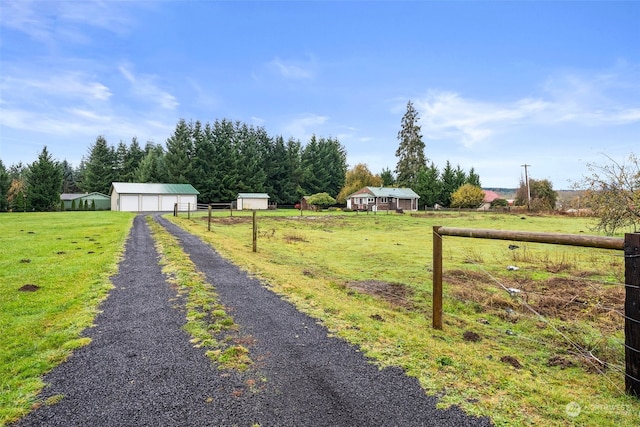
{"x": 437, "y": 279}
{"x": 209, "y": 219}
{"x": 632, "y": 313}
{"x": 175, "y": 209}
{"x": 255, "y": 233}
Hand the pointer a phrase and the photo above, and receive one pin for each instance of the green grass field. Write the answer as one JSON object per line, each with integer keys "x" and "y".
{"x": 54, "y": 271}
{"x": 368, "y": 278}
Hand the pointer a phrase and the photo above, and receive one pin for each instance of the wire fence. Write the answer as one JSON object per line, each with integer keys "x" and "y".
{"x": 605, "y": 354}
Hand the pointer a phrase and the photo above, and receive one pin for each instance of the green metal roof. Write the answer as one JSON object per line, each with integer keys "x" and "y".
{"x": 152, "y": 188}
{"x": 400, "y": 193}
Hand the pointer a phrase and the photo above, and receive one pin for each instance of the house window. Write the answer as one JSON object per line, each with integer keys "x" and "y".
{"x": 370, "y": 200}
{"x": 384, "y": 200}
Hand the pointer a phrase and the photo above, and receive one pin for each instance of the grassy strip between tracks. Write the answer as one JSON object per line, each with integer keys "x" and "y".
{"x": 209, "y": 325}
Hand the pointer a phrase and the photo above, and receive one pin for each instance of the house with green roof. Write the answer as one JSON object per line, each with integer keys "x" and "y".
{"x": 77, "y": 201}
{"x": 383, "y": 198}
{"x": 152, "y": 197}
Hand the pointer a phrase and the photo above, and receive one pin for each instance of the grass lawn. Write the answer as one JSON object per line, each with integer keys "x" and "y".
{"x": 54, "y": 271}
{"x": 549, "y": 353}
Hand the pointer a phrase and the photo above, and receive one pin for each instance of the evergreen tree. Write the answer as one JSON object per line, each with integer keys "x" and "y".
{"x": 45, "y": 182}
{"x": 313, "y": 173}
{"x": 334, "y": 158}
{"x": 5, "y": 184}
{"x": 428, "y": 186}
{"x": 152, "y": 167}
{"x": 180, "y": 151}
{"x": 460, "y": 177}
{"x": 277, "y": 183}
{"x": 225, "y": 173}
{"x": 473, "y": 178}
{"x": 73, "y": 205}
{"x": 131, "y": 161}
{"x": 387, "y": 178}
{"x": 204, "y": 165}
{"x": 449, "y": 184}
{"x": 293, "y": 165}
{"x": 69, "y": 184}
{"x": 100, "y": 167}
{"x": 120, "y": 156}
{"x": 250, "y": 145}
{"x": 410, "y": 152}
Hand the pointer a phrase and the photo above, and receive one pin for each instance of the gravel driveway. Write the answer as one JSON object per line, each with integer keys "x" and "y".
{"x": 141, "y": 370}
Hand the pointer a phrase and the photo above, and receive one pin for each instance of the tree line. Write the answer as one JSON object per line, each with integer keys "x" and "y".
{"x": 220, "y": 159}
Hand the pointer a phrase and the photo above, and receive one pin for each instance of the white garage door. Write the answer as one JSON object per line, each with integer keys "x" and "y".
{"x": 129, "y": 203}
{"x": 168, "y": 202}
{"x": 150, "y": 203}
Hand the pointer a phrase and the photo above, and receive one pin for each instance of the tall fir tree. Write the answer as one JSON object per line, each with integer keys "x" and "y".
{"x": 44, "y": 182}
{"x": 180, "y": 151}
{"x": 410, "y": 152}
{"x": 429, "y": 186}
{"x": 69, "y": 182}
{"x": 100, "y": 167}
{"x": 473, "y": 178}
{"x": 132, "y": 159}
{"x": 334, "y": 158}
{"x": 152, "y": 167}
{"x": 449, "y": 184}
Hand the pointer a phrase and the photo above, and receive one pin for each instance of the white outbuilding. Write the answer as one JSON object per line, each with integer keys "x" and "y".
{"x": 152, "y": 197}
{"x": 251, "y": 201}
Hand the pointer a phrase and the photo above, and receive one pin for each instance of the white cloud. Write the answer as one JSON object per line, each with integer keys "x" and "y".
{"x": 65, "y": 85}
{"x": 304, "y": 125}
{"x": 146, "y": 89}
{"x": 568, "y": 99}
{"x": 293, "y": 70}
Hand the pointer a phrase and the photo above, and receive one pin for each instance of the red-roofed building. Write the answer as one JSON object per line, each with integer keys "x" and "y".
{"x": 490, "y": 196}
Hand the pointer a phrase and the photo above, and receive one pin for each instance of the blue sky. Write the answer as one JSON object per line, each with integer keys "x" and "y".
{"x": 555, "y": 85}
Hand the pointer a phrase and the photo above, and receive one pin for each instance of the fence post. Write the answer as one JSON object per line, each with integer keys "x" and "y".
{"x": 437, "y": 278}
{"x": 632, "y": 313}
{"x": 189, "y": 210}
{"x": 209, "y": 219}
{"x": 255, "y": 233}
{"x": 175, "y": 209}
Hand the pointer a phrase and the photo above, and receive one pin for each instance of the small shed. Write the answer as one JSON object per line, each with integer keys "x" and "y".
{"x": 252, "y": 201}
{"x": 152, "y": 197}
{"x": 76, "y": 201}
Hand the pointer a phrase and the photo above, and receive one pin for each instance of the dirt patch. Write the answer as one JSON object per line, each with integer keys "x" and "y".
{"x": 471, "y": 336}
{"x": 28, "y": 288}
{"x": 230, "y": 220}
{"x": 291, "y": 238}
{"x": 395, "y": 293}
{"x": 560, "y": 297}
{"x": 560, "y": 361}
{"x": 511, "y": 361}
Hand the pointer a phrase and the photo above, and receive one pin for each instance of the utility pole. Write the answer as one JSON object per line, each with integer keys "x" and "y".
{"x": 526, "y": 180}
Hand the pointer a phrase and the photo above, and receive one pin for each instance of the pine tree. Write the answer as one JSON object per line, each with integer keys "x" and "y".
{"x": 449, "y": 184}
{"x": 152, "y": 167}
{"x": 5, "y": 184}
{"x": 410, "y": 152}
{"x": 44, "y": 182}
{"x": 180, "y": 151}
{"x": 100, "y": 167}
{"x": 387, "y": 177}
{"x": 428, "y": 186}
{"x": 132, "y": 160}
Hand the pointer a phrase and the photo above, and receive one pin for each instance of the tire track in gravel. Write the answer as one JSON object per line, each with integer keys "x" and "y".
{"x": 313, "y": 379}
